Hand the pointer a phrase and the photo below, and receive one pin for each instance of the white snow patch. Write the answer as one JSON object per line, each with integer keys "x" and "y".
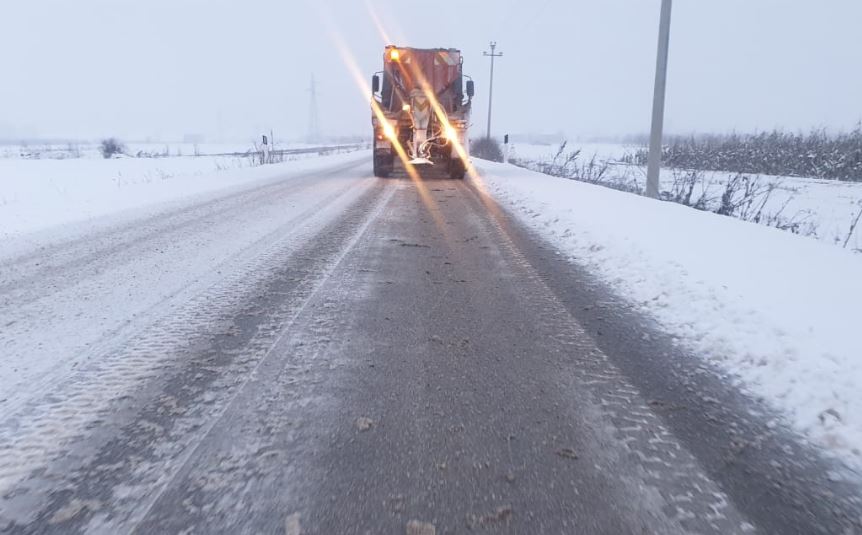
{"x": 823, "y": 209}
{"x": 776, "y": 310}
{"x": 41, "y": 193}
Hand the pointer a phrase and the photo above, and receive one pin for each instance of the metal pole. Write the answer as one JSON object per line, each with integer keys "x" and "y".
{"x": 655, "y": 138}
{"x": 313, "y": 117}
{"x": 491, "y": 91}
{"x": 491, "y": 85}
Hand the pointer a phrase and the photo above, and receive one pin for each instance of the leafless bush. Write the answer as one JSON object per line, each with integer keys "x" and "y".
{"x": 741, "y": 196}
{"x": 111, "y": 146}
{"x": 747, "y": 198}
{"x": 560, "y": 165}
{"x": 854, "y": 221}
{"x": 683, "y": 190}
{"x": 594, "y": 171}
{"x": 744, "y": 197}
{"x": 800, "y": 223}
{"x": 569, "y": 165}
{"x": 487, "y": 148}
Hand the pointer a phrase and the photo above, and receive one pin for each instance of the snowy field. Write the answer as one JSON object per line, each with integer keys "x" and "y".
{"x": 40, "y": 193}
{"x": 823, "y": 209}
{"x": 62, "y": 151}
{"x": 776, "y": 311}
{"x": 604, "y": 151}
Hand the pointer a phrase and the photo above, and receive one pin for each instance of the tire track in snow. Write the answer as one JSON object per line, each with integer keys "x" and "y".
{"x": 665, "y": 465}
{"x": 96, "y": 399}
{"x": 122, "y": 294}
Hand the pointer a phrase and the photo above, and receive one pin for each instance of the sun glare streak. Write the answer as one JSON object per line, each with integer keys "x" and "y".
{"x": 444, "y": 120}
{"x": 359, "y": 78}
{"x": 362, "y": 85}
{"x": 430, "y": 95}
{"x": 377, "y": 23}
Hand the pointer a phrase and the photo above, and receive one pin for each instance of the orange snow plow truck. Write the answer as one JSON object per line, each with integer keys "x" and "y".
{"x": 422, "y": 110}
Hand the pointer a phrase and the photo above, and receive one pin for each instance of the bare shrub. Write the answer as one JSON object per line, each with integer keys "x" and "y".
{"x": 741, "y": 196}
{"x": 111, "y": 146}
{"x": 683, "y": 190}
{"x": 745, "y": 197}
{"x": 853, "y": 222}
{"x": 486, "y": 148}
{"x": 594, "y": 171}
{"x": 800, "y": 223}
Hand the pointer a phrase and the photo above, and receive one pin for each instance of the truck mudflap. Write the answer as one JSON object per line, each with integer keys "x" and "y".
{"x": 383, "y": 163}
{"x": 457, "y": 168}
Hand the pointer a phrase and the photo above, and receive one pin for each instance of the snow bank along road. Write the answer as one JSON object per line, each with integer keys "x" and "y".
{"x": 333, "y": 353}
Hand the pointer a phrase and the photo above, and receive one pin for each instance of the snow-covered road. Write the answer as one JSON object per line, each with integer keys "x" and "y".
{"x": 326, "y": 352}
{"x": 79, "y": 314}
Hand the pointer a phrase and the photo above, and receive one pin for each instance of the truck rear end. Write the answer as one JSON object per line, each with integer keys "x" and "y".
{"x": 423, "y": 111}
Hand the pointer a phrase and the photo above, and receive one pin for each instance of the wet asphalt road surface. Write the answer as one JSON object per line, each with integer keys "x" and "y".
{"x": 420, "y": 363}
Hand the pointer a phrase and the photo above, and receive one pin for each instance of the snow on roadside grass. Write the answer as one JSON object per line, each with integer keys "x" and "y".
{"x": 823, "y": 209}
{"x": 546, "y": 153}
{"x": 779, "y": 312}
{"x": 36, "y": 194}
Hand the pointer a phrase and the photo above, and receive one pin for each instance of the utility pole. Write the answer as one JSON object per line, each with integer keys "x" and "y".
{"x": 492, "y": 55}
{"x": 313, "y": 119}
{"x": 654, "y": 161}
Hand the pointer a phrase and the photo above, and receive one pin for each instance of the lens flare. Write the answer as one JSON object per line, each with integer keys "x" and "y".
{"x": 439, "y": 112}
{"x": 379, "y": 25}
{"x": 427, "y": 199}
{"x": 443, "y": 117}
{"x": 389, "y": 131}
{"x": 450, "y": 132}
{"x": 362, "y": 85}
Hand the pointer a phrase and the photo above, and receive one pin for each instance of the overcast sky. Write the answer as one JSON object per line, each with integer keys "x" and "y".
{"x": 231, "y": 68}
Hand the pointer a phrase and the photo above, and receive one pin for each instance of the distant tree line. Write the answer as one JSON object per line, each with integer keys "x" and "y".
{"x": 817, "y": 154}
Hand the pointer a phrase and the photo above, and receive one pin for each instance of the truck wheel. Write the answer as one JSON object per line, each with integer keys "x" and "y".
{"x": 457, "y": 169}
